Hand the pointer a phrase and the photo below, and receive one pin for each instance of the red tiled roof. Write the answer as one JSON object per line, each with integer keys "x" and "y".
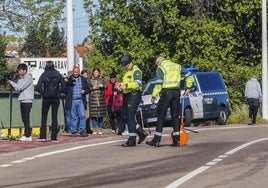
{"x": 82, "y": 50}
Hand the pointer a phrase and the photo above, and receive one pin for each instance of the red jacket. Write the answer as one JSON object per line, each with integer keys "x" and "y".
{"x": 109, "y": 92}
{"x": 117, "y": 101}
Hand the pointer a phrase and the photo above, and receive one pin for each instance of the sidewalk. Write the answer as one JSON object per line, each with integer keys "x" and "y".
{"x": 10, "y": 145}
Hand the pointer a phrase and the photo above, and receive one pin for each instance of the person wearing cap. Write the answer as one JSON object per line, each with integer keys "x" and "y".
{"x": 253, "y": 95}
{"x": 132, "y": 87}
{"x": 168, "y": 77}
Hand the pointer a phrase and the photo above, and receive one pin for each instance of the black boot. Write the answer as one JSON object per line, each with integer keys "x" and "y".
{"x": 176, "y": 139}
{"x": 155, "y": 142}
{"x": 131, "y": 142}
{"x": 142, "y": 137}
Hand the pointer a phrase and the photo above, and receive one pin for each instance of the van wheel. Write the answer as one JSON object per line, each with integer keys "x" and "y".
{"x": 188, "y": 117}
{"x": 222, "y": 119}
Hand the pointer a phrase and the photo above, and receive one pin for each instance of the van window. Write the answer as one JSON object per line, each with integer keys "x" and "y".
{"x": 209, "y": 82}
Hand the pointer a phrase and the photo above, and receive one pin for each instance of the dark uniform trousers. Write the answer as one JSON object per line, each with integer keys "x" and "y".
{"x": 129, "y": 109}
{"x": 253, "y": 108}
{"x": 169, "y": 98}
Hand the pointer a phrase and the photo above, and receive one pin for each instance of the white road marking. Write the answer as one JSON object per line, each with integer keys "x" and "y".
{"x": 201, "y": 169}
{"x": 56, "y": 152}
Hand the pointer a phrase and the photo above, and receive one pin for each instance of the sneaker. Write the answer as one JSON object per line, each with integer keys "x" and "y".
{"x": 125, "y": 133}
{"x": 41, "y": 140}
{"x": 249, "y": 121}
{"x": 100, "y": 133}
{"x": 55, "y": 141}
{"x": 113, "y": 132}
{"x": 24, "y": 138}
{"x": 94, "y": 133}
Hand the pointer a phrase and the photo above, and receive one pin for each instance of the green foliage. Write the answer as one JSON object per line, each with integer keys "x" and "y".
{"x": 213, "y": 35}
{"x": 42, "y": 42}
{"x": 17, "y": 16}
{"x": 57, "y": 42}
{"x": 36, "y": 41}
{"x": 240, "y": 115}
{"x": 3, "y": 63}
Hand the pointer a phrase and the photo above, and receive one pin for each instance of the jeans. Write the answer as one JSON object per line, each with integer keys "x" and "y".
{"x": 78, "y": 115}
{"x": 46, "y": 103}
{"x": 97, "y": 122}
{"x": 25, "y": 109}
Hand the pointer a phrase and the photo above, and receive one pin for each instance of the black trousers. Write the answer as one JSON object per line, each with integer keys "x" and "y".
{"x": 25, "y": 109}
{"x": 129, "y": 110}
{"x": 46, "y": 103}
{"x": 253, "y": 108}
{"x": 111, "y": 115}
{"x": 169, "y": 98}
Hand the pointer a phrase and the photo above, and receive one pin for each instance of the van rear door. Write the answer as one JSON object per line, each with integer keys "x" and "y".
{"x": 211, "y": 84}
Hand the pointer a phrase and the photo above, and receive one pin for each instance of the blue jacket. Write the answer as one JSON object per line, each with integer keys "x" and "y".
{"x": 69, "y": 93}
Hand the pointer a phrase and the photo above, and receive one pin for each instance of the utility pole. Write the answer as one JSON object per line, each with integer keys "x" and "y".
{"x": 70, "y": 39}
{"x": 264, "y": 62}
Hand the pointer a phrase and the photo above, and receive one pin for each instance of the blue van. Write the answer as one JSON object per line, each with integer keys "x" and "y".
{"x": 209, "y": 100}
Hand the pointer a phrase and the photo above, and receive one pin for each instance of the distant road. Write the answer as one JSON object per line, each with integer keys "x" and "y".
{"x": 218, "y": 156}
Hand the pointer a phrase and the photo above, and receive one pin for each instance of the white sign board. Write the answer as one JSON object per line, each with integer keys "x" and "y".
{"x": 36, "y": 66}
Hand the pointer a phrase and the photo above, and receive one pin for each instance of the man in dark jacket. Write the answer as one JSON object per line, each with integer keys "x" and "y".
{"x": 75, "y": 101}
{"x": 50, "y": 85}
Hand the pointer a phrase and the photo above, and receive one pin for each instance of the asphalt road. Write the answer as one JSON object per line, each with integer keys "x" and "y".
{"x": 218, "y": 156}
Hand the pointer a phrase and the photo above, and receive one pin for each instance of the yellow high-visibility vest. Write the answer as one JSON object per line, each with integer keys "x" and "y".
{"x": 129, "y": 81}
{"x": 172, "y": 74}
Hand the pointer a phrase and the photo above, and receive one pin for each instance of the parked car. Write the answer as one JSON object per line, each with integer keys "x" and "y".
{"x": 209, "y": 100}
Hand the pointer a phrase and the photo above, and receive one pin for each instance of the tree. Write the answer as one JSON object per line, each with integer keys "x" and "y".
{"x": 3, "y": 63}
{"x": 42, "y": 42}
{"x": 19, "y": 15}
{"x": 57, "y": 41}
{"x": 222, "y": 35}
{"x": 36, "y": 43}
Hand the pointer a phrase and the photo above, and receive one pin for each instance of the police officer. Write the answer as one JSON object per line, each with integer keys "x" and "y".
{"x": 132, "y": 87}
{"x": 168, "y": 77}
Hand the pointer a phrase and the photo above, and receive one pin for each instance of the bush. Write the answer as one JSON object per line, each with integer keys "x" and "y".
{"x": 240, "y": 115}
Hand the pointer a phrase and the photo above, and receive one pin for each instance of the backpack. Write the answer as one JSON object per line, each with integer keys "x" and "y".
{"x": 51, "y": 87}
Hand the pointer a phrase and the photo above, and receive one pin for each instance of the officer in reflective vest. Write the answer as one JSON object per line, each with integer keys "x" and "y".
{"x": 132, "y": 87}
{"x": 167, "y": 84}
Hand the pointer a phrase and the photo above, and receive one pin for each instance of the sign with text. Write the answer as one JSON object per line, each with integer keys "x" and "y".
{"x": 36, "y": 66}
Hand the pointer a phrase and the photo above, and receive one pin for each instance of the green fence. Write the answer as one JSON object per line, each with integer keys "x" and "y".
{"x": 10, "y": 111}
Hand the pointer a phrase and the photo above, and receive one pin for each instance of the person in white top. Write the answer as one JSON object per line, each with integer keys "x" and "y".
{"x": 253, "y": 95}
